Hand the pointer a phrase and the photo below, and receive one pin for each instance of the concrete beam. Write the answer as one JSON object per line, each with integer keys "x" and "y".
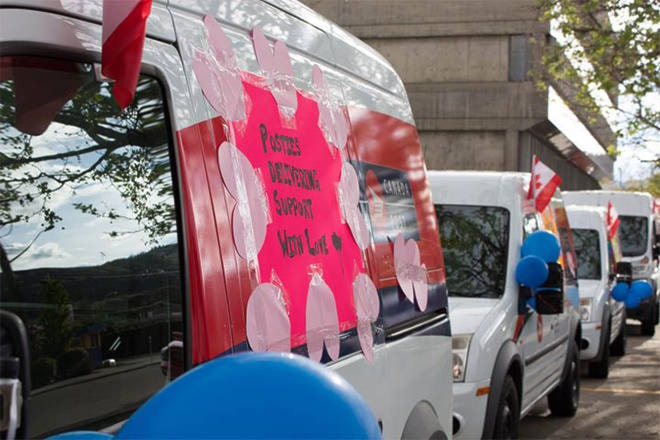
{"x": 449, "y": 150}
{"x": 471, "y": 106}
{"x": 385, "y": 12}
{"x": 453, "y": 59}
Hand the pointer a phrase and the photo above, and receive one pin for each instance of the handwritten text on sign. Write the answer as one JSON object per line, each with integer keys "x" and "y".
{"x": 300, "y": 172}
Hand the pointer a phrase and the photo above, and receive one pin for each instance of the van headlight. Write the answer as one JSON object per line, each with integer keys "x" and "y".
{"x": 460, "y": 345}
{"x": 585, "y": 308}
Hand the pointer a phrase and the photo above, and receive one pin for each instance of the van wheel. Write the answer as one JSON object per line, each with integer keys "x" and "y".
{"x": 565, "y": 399}
{"x": 618, "y": 347}
{"x": 508, "y": 412}
{"x": 648, "y": 327}
{"x": 601, "y": 368}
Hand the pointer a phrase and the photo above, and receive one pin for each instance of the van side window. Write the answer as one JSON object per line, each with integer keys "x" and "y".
{"x": 89, "y": 245}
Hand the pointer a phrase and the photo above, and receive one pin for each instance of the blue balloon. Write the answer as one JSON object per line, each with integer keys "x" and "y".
{"x": 642, "y": 289}
{"x": 632, "y": 301}
{"x": 81, "y": 435}
{"x": 255, "y": 395}
{"x": 531, "y": 271}
{"x": 542, "y": 244}
{"x": 620, "y": 291}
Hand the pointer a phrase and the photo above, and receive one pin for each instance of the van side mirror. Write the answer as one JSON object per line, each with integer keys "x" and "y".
{"x": 550, "y": 295}
{"x": 14, "y": 377}
{"x": 624, "y": 272}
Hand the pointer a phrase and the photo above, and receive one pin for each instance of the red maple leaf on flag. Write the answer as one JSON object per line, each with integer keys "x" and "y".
{"x": 543, "y": 184}
{"x": 612, "y": 220}
{"x": 124, "y": 29}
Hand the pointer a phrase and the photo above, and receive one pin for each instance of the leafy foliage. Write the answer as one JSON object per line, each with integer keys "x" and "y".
{"x": 612, "y": 46}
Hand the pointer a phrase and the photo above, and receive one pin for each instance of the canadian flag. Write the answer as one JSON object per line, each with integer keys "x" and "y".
{"x": 612, "y": 220}
{"x": 543, "y": 184}
{"x": 124, "y": 28}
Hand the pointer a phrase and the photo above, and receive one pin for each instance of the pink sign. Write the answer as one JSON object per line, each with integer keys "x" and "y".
{"x": 300, "y": 175}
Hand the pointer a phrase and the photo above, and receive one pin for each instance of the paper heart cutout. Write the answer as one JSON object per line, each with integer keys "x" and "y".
{"x": 349, "y": 196}
{"x": 322, "y": 320}
{"x": 268, "y": 327}
{"x": 367, "y": 308}
{"x": 409, "y": 273}
{"x": 332, "y": 119}
{"x": 276, "y": 66}
{"x": 218, "y": 75}
{"x": 250, "y": 215}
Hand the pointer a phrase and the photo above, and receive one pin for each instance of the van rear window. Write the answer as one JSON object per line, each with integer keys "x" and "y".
{"x": 89, "y": 244}
{"x": 633, "y": 231}
{"x": 475, "y": 242}
{"x": 587, "y": 247}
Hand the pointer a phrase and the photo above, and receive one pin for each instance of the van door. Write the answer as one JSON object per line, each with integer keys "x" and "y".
{"x": 103, "y": 230}
{"x": 537, "y": 337}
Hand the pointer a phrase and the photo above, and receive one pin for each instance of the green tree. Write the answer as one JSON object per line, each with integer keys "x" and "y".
{"x": 55, "y": 323}
{"x": 613, "y": 45}
{"x": 650, "y": 185}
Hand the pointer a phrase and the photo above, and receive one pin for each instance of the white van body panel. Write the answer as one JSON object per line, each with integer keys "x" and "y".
{"x": 492, "y": 322}
{"x": 599, "y": 291}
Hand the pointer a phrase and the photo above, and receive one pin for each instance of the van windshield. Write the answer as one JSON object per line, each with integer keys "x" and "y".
{"x": 587, "y": 247}
{"x": 633, "y": 231}
{"x": 475, "y": 241}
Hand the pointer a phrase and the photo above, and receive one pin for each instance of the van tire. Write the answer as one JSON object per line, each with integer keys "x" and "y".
{"x": 618, "y": 347}
{"x": 648, "y": 327}
{"x": 565, "y": 399}
{"x": 508, "y": 412}
{"x": 600, "y": 369}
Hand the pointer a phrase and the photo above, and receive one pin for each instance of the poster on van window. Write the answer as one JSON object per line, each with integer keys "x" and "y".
{"x": 388, "y": 202}
{"x": 307, "y": 235}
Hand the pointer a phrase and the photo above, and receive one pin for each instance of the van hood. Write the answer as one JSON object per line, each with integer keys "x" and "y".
{"x": 466, "y": 314}
{"x": 590, "y": 288}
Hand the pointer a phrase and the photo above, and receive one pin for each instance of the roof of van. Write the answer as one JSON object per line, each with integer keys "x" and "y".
{"x": 586, "y": 217}
{"x": 482, "y": 188}
{"x": 625, "y": 203}
{"x": 369, "y": 79}
{"x": 300, "y": 28}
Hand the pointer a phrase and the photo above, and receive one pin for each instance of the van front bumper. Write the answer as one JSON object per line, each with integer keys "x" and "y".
{"x": 591, "y": 338}
{"x": 469, "y": 409}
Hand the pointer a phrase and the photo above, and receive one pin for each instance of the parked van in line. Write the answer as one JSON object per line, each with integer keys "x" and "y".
{"x": 507, "y": 354}
{"x": 603, "y": 318}
{"x": 265, "y": 190}
{"x": 639, "y": 242}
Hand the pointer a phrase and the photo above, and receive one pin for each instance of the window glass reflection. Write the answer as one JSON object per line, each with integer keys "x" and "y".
{"x": 633, "y": 232}
{"x": 88, "y": 240}
{"x": 475, "y": 241}
{"x": 587, "y": 247}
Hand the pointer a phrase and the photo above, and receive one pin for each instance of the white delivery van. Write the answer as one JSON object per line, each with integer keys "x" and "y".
{"x": 264, "y": 190}
{"x": 507, "y": 355}
{"x": 603, "y": 318}
{"x": 639, "y": 241}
